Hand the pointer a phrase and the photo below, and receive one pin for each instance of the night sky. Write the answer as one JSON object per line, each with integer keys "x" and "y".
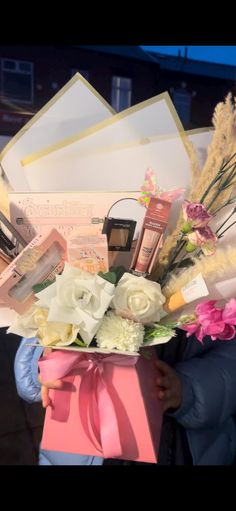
{"x": 220, "y": 54}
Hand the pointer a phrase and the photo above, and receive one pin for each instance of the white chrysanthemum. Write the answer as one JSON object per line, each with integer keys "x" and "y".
{"x": 119, "y": 333}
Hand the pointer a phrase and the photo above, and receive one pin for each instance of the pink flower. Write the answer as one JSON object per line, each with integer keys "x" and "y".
{"x": 229, "y": 313}
{"x": 202, "y": 237}
{"x": 195, "y": 214}
{"x": 204, "y": 308}
{"x": 213, "y": 321}
{"x": 228, "y": 333}
{"x": 194, "y": 328}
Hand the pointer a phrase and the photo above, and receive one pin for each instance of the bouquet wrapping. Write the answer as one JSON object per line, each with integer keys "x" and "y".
{"x": 102, "y": 319}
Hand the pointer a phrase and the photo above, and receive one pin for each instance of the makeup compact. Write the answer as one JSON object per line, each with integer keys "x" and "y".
{"x": 120, "y": 233}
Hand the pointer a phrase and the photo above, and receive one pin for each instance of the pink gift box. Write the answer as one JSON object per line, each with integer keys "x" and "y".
{"x": 108, "y": 407}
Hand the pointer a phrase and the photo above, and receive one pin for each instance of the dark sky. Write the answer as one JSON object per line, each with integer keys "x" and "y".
{"x": 220, "y": 54}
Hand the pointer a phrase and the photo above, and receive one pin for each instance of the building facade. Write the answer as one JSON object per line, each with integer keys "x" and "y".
{"x": 123, "y": 75}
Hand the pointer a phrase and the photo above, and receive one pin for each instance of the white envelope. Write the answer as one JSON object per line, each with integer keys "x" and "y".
{"x": 76, "y": 107}
{"x": 201, "y": 139}
{"x": 115, "y": 154}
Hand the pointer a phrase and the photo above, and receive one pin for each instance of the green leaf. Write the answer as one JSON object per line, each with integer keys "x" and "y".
{"x": 119, "y": 271}
{"x": 185, "y": 263}
{"x": 39, "y": 287}
{"x": 80, "y": 342}
{"x": 159, "y": 330}
{"x": 110, "y": 276}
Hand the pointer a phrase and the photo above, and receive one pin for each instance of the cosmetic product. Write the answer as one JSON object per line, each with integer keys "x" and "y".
{"x": 194, "y": 290}
{"x": 120, "y": 233}
{"x": 41, "y": 260}
{"x": 150, "y": 239}
{"x": 89, "y": 252}
{"x": 11, "y": 242}
{"x": 3, "y": 263}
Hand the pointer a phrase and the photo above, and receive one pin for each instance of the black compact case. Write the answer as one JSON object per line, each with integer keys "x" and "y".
{"x": 120, "y": 233}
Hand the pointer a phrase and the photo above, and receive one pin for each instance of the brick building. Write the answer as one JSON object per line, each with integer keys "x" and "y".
{"x": 124, "y": 75}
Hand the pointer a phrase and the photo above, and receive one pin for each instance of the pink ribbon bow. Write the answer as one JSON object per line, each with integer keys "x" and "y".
{"x": 96, "y": 409}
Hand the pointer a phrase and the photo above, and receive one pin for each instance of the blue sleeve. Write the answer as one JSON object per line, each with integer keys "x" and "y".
{"x": 209, "y": 387}
{"x": 26, "y": 371}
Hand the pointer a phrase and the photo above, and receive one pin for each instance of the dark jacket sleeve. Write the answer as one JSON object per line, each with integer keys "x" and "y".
{"x": 26, "y": 371}
{"x": 209, "y": 387}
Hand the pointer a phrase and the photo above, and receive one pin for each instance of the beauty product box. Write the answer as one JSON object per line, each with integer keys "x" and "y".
{"x": 98, "y": 416}
{"x": 40, "y": 260}
{"x": 89, "y": 252}
{"x": 11, "y": 242}
{"x": 75, "y": 215}
{"x": 156, "y": 220}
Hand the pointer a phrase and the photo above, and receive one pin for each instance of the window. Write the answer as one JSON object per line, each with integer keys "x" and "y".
{"x": 83, "y": 72}
{"x": 17, "y": 80}
{"x": 121, "y": 93}
{"x": 182, "y": 102}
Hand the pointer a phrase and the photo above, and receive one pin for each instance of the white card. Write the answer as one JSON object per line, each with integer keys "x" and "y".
{"x": 76, "y": 107}
{"x": 116, "y": 154}
{"x": 201, "y": 139}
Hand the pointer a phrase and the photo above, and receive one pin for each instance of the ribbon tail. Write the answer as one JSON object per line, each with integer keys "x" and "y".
{"x": 109, "y": 431}
{"x": 87, "y": 409}
{"x": 61, "y": 402}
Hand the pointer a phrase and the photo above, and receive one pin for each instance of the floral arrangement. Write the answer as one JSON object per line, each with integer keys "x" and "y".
{"x": 87, "y": 309}
{"x": 119, "y": 310}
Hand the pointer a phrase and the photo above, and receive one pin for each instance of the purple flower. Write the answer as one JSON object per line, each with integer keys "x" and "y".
{"x": 195, "y": 215}
{"x": 202, "y": 237}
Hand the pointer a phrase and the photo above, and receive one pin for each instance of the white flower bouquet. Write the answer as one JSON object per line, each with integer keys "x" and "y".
{"x": 114, "y": 311}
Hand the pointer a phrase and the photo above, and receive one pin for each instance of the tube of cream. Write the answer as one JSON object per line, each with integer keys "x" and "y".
{"x": 148, "y": 245}
{"x": 194, "y": 290}
{"x": 154, "y": 225}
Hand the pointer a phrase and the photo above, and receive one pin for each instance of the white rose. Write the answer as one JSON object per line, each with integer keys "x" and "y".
{"x": 77, "y": 298}
{"x": 138, "y": 299}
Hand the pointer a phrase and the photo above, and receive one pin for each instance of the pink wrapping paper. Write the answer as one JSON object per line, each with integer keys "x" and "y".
{"x": 108, "y": 406}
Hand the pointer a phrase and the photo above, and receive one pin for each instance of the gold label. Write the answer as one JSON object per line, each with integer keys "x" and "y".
{"x": 29, "y": 260}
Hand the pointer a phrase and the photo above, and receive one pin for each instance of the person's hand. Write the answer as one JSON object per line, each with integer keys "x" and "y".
{"x": 57, "y": 384}
{"x": 169, "y": 386}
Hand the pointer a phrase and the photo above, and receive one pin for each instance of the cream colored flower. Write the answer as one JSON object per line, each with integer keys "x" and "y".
{"x": 34, "y": 323}
{"x": 26, "y": 325}
{"x": 77, "y": 298}
{"x": 119, "y": 333}
{"x": 59, "y": 334}
{"x": 138, "y": 299}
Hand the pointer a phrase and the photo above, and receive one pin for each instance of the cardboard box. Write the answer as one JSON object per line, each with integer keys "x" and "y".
{"x": 40, "y": 260}
{"x": 76, "y": 215}
{"x": 132, "y": 390}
